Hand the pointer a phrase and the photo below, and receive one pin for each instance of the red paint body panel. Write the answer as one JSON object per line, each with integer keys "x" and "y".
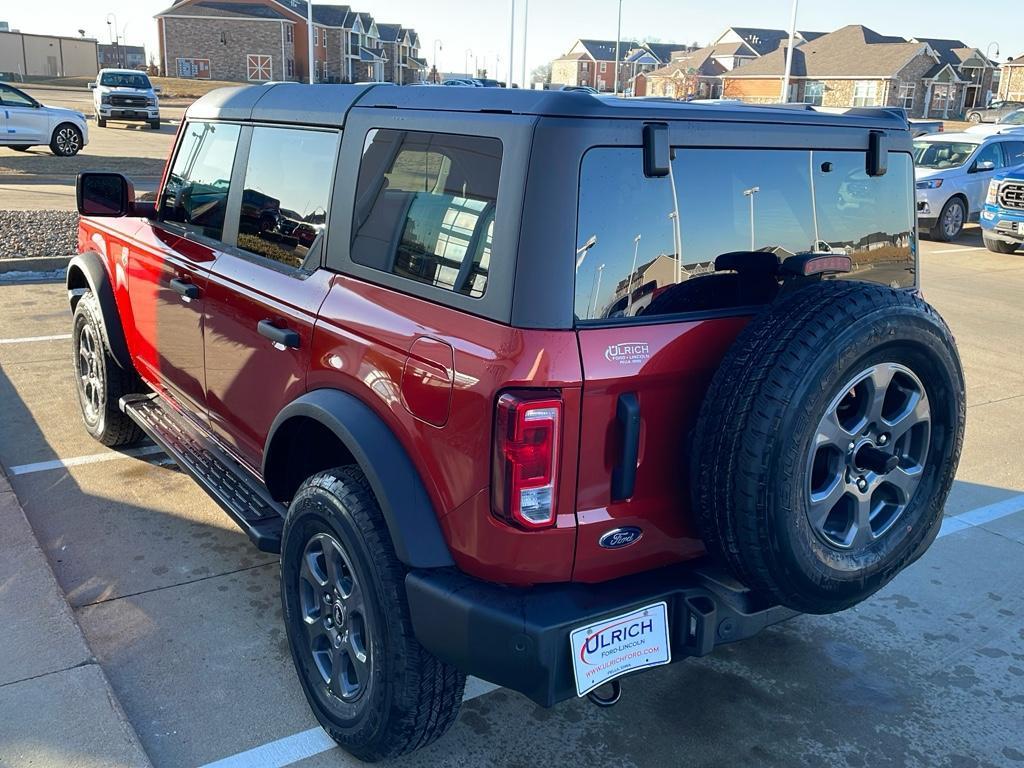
{"x": 428, "y": 381}
{"x": 361, "y": 344}
{"x": 669, "y": 369}
{"x": 249, "y": 380}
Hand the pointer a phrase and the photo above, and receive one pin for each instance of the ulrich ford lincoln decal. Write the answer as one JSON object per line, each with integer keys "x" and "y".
{"x": 628, "y": 353}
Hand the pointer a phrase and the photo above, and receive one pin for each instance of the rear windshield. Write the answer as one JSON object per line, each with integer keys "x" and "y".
{"x": 125, "y": 80}
{"x": 710, "y": 237}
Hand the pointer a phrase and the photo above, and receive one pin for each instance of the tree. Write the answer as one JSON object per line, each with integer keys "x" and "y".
{"x": 541, "y": 74}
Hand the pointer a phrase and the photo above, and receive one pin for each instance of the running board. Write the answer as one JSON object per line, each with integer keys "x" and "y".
{"x": 228, "y": 483}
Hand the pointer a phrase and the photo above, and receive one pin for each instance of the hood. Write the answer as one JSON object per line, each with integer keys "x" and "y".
{"x": 929, "y": 173}
{"x": 64, "y": 113}
{"x": 125, "y": 89}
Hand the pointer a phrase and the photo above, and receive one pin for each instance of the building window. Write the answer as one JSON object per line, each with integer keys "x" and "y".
{"x": 290, "y": 67}
{"x": 427, "y": 204}
{"x": 906, "y": 95}
{"x": 941, "y": 97}
{"x": 584, "y": 66}
{"x": 814, "y": 92}
{"x": 316, "y": 70}
{"x": 259, "y": 68}
{"x": 288, "y": 178}
{"x": 604, "y": 67}
{"x": 289, "y": 33}
{"x": 865, "y": 93}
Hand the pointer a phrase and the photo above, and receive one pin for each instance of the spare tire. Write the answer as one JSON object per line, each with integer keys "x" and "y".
{"x": 827, "y": 443}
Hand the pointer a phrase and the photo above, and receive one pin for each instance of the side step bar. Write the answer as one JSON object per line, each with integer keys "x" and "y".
{"x": 225, "y": 480}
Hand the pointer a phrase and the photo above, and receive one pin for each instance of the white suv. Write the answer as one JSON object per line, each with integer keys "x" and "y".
{"x": 125, "y": 94}
{"x": 25, "y": 123}
{"x": 953, "y": 171}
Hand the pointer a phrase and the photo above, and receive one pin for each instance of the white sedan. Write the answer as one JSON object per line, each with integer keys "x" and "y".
{"x": 25, "y": 123}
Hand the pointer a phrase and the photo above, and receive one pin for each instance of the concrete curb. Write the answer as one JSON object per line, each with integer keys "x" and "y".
{"x": 34, "y": 264}
{"x": 67, "y": 705}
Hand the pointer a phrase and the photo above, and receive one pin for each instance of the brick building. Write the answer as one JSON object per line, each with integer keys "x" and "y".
{"x": 121, "y": 56}
{"x": 1011, "y": 83}
{"x": 262, "y": 40}
{"x": 592, "y": 62}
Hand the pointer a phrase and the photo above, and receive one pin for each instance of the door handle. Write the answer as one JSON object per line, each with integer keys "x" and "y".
{"x": 627, "y": 416}
{"x": 185, "y": 289}
{"x": 283, "y": 338}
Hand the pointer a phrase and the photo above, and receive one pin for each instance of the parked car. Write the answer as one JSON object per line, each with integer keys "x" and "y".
{"x": 471, "y": 459}
{"x": 125, "y": 95}
{"x": 1002, "y": 221}
{"x": 923, "y": 127}
{"x": 25, "y": 123}
{"x": 994, "y": 112}
{"x": 1014, "y": 121}
{"x": 461, "y": 82}
{"x": 953, "y": 171}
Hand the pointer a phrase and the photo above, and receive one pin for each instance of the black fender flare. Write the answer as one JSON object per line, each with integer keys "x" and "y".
{"x": 89, "y": 268}
{"x": 396, "y": 483}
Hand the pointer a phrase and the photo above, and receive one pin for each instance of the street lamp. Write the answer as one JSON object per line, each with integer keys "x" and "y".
{"x": 629, "y": 282}
{"x": 469, "y": 52}
{"x": 526, "y": 19}
{"x": 437, "y": 70}
{"x": 113, "y": 38}
{"x": 582, "y": 251}
{"x": 750, "y": 193}
{"x": 618, "y": 44}
{"x": 597, "y": 290}
{"x": 789, "y": 55}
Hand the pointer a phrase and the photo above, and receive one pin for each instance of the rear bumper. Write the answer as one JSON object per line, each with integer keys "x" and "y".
{"x": 519, "y": 637}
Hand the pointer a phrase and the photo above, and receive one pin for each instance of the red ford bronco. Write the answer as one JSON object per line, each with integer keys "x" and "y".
{"x": 535, "y": 386}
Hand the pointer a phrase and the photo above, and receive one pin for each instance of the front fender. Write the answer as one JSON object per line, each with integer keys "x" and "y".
{"x": 395, "y": 481}
{"x": 87, "y": 271}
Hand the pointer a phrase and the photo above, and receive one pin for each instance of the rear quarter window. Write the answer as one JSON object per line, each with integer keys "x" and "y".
{"x": 654, "y": 246}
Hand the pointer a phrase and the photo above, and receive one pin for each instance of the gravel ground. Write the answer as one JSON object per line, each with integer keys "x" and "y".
{"x": 24, "y": 234}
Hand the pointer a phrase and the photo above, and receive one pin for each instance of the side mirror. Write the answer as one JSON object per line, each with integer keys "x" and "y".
{"x": 157, "y": 89}
{"x": 92, "y": 86}
{"x": 104, "y": 194}
{"x": 982, "y": 166}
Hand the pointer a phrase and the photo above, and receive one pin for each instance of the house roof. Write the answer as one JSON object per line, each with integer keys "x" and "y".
{"x": 850, "y": 51}
{"x": 701, "y": 61}
{"x": 762, "y": 41}
{"x": 389, "y": 33}
{"x": 665, "y": 51}
{"x": 604, "y": 50}
{"x": 951, "y": 52}
{"x": 331, "y": 15}
{"x": 1017, "y": 62}
{"x": 231, "y": 10}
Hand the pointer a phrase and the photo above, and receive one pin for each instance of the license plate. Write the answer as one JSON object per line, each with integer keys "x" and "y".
{"x": 1020, "y": 227}
{"x": 613, "y": 647}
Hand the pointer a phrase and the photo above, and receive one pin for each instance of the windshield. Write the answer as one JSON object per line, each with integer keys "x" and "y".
{"x": 942, "y": 154}
{"x": 125, "y": 80}
{"x": 1014, "y": 118}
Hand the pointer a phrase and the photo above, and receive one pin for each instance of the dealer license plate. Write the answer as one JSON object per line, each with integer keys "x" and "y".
{"x": 613, "y": 647}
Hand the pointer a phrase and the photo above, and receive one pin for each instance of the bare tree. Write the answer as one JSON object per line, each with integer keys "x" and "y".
{"x": 541, "y": 74}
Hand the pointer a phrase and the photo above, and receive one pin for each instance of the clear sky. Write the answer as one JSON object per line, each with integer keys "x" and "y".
{"x": 483, "y": 25}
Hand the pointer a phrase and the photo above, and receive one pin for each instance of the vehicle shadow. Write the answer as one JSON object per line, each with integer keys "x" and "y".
{"x": 41, "y": 162}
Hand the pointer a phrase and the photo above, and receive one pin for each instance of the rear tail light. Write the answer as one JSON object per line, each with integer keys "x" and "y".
{"x": 526, "y": 439}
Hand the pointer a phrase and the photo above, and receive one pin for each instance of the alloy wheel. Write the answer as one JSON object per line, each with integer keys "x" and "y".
{"x": 90, "y": 381}
{"x": 334, "y": 615}
{"x": 953, "y": 221}
{"x": 868, "y": 456}
{"x": 68, "y": 142}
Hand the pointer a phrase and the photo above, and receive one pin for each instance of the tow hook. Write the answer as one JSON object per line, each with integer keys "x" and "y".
{"x": 607, "y": 701}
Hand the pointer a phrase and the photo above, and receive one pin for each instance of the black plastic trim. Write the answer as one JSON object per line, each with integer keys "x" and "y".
{"x": 519, "y": 637}
{"x": 408, "y": 511}
{"x": 627, "y": 417}
{"x": 91, "y": 266}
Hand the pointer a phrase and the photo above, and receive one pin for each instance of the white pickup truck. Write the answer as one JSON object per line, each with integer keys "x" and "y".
{"x": 125, "y": 94}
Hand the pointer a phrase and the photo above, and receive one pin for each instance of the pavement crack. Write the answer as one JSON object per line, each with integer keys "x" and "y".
{"x": 78, "y": 608}
{"x": 86, "y": 663}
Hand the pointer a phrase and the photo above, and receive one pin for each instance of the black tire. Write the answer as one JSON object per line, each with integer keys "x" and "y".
{"x": 974, "y": 117}
{"x": 66, "y": 140}
{"x": 101, "y": 123}
{"x": 946, "y": 227}
{"x": 154, "y": 124}
{"x": 22, "y": 148}
{"x": 752, "y": 467}
{"x": 1000, "y": 246}
{"x": 100, "y": 381}
{"x": 410, "y": 698}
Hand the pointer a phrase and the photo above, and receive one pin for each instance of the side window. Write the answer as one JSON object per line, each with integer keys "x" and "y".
{"x": 1014, "y": 151}
{"x": 990, "y": 154}
{"x": 196, "y": 192}
{"x": 288, "y": 178}
{"x": 425, "y": 206}
{"x": 12, "y": 98}
{"x": 716, "y": 241}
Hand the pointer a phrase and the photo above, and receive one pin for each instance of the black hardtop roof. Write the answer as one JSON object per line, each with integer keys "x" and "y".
{"x": 329, "y": 105}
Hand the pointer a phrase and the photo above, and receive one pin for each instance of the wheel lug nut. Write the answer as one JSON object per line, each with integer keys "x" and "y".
{"x": 862, "y": 484}
{"x": 850, "y": 447}
{"x": 883, "y": 439}
{"x": 337, "y": 642}
{"x": 328, "y": 622}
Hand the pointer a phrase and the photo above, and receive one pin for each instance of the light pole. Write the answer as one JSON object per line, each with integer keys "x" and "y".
{"x": 309, "y": 40}
{"x": 582, "y": 251}
{"x": 437, "y": 70}
{"x": 511, "y": 43}
{"x": 672, "y": 217}
{"x": 750, "y": 193}
{"x": 988, "y": 96}
{"x": 597, "y": 290}
{"x": 629, "y": 282}
{"x": 526, "y": 18}
{"x": 113, "y": 38}
{"x": 789, "y": 55}
{"x": 618, "y": 44}
{"x": 469, "y": 52}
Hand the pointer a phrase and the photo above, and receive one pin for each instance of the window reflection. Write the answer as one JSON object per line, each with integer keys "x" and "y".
{"x": 196, "y": 191}
{"x": 740, "y": 214}
{"x": 288, "y": 178}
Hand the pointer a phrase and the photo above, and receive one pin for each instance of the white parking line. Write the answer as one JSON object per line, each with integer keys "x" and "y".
{"x": 28, "y": 339}
{"x": 43, "y": 466}
{"x": 299, "y": 746}
{"x": 961, "y": 249}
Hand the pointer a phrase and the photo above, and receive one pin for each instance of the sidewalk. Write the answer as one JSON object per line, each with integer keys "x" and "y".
{"x": 56, "y": 706}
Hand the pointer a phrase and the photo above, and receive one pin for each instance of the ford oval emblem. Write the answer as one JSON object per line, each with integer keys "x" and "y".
{"x": 620, "y": 537}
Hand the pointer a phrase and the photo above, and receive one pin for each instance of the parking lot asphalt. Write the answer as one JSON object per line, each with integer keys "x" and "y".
{"x": 183, "y": 614}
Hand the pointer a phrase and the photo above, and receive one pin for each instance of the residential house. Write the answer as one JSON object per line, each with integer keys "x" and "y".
{"x": 1011, "y": 82}
{"x": 690, "y": 75}
{"x": 738, "y": 45}
{"x": 592, "y": 62}
{"x": 858, "y": 67}
{"x": 262, "y": 40}
{"x": 969, "y": 66}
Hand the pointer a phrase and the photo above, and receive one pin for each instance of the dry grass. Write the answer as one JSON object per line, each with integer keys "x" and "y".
{"x": 170, "y": 87}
